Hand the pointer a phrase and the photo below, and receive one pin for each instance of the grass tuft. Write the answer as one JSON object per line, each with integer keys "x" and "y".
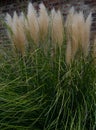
{"x": 48, "y": 74}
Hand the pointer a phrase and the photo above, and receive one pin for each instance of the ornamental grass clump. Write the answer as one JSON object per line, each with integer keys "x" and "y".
{"x": 53, "y": 86}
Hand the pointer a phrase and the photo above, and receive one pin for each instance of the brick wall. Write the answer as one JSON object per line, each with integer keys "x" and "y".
{"x": 85, "y": 5}
{"x": 92, "y": 5}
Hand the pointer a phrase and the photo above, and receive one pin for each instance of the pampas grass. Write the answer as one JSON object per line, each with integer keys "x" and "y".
{"x": 18, "y": 37}
{"x": 43, "y": 22}
{"x": 22, "y": 18}
{"x": 78, "y": 32}
{"x": 48, "y": 89}
{"x": 72, "y": 33}
{"x": 33, "y": 23}
{"x": 9, "y": 22}
{"x": 57, "y": 27}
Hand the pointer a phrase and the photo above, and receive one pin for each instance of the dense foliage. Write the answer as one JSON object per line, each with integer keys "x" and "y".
{"x": 42, "y": 90}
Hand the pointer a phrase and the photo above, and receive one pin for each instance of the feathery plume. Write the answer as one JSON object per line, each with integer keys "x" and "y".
{"x": 18, "y": 36}
{"x": 69, "y": 20}
{"x": 43, "y": 22}
{"x": 32, "y": 23}
{"x": 60, "y": 28}
{"x": 53, "y": 29}
{"x": 57, "y": 27}
{"x": 80, "y": 27}
{"x": 53, "y": 13}
{"x": 72, "y": 32}
{"x": 78, "y": 31}
{"x": 24, "y": 22}
{"x": 22, "y": 19}
{"x": 9, "y": 22}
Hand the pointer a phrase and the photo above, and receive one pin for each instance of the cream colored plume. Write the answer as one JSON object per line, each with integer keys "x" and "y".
{"x": 72, "y": 33}
{"x": 43, "y": 22}
{"x": 57, "y": 27}
{"x": 69, "y": 20}
{"x": 53, "y": 13}
{"x": 80, "y": 26}
{"x": 18, "y": 37}
{"x": 78, "y": 32}
{"x": 33, "y": 23}
{"x": 9, "y": 22}
{"x": 24, "y": 22}
{"x": 22, "y": 19}
{"x": 74, "y": 36}
{"x": 53, "y": 29}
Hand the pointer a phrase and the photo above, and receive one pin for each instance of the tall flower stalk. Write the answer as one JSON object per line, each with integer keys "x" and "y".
{"x": 57, "y": 27}
{"x": 78, "y": 33}
{"x": 32, "y": 23}
{"x": 18, "y": 36}
{"x": 43, "y": 20}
